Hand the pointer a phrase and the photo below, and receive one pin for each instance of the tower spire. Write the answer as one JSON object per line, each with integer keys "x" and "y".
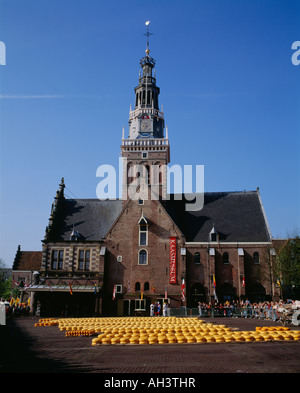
{"x": 146, "y": 145}
{"x": 147, "y": 34}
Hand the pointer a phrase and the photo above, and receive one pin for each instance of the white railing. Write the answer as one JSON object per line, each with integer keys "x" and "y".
{"x": 149, "y": 111}
{"x": 145, "y": 142}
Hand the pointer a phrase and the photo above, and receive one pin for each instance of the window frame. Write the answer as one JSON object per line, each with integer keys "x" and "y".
{"x": 57, "y": 263}
{"x": 226, "y": 258}
{"x": 142, "y": 304}
{"x": 256, "y": 258}
{"x": 197, "y": 257}
{"x": 139, "y": 253}
{"x": 86, "y": 263}
{"x": 143, "y": 230}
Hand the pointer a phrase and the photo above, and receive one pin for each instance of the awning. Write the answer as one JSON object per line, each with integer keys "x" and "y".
{"x": 61, "y": 288}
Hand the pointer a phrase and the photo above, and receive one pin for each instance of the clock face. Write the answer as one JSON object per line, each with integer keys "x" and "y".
{"x": 146, "y": 125}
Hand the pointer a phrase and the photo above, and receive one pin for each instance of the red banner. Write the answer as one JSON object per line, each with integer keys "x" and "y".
{"x": 173, "y": 279}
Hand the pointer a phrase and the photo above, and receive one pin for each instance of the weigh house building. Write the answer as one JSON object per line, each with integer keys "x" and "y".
{"x": 116, "y": 257}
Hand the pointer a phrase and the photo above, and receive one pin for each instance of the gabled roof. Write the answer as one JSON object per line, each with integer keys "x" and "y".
{"x": 27, "y": 260}
{"x": 91, "y": 218}
{"x": 236, "y": 217}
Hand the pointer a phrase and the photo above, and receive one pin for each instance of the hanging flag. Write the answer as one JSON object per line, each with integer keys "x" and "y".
{"x": 166, "y": 293}
{"x": 142, "y": 293}
{"x": 114, "y": 293}
{"x": 214, "y": 281}
{"x": 153, "y": 288}
{"x": 243, "y": 281}
{"x": 12, "y": 302}
{"x": 128, "y": 287}
{"x": 278, "y": 282}
{"x": 70, "y": 285}
{"x": 215, "y": 296}
{"x": 173, "y": 273}
{"x": 17, "y": 301}
{"x": 183, "y": 290}
{"x": 28, "y": 301}
{"x": 95, "y": 288}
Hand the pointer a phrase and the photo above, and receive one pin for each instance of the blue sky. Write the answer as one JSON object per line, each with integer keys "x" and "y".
{"x": 229, "y": 90}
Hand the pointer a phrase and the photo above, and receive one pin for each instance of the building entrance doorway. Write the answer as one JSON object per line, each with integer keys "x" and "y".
{"x": 197, "y": 295}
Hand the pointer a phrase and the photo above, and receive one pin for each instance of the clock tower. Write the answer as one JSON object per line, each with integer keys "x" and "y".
{"x": 146, "y": 149}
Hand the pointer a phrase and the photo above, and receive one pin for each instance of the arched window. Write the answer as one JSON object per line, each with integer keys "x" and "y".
{"x": 226, "y": 258}
{"x": 197, "y": 258}
{"x": 143, "y": 231}
{"x": 143, "y": 258}
{"x": 256, "y": 257}
{"x": 137, "y": 287}
{"x": 146, "y": 286}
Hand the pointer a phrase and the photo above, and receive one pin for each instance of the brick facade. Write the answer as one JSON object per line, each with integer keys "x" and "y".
{"x": 122, "y": 260}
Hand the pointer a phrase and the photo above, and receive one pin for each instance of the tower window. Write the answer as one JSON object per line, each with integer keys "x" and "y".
{"x": 256, "y": 257}
{"x": 143, "y": 257}
{"x": 143, "y": 235}
{"x": 143, "y": 231}
{"x": 137, "y": 287}
{"x": 226, "y": 258}
{"x": 197, "y": 258}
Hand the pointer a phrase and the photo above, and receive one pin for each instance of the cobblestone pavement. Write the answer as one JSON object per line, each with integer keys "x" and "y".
{"x": 29, "y": 349}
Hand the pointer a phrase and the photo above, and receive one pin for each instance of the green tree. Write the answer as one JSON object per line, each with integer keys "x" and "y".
{"x": 287, "y": 267}
{"x": 5, "y": 284}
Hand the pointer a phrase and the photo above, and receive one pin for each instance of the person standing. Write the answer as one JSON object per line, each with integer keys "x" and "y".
{"x": 151, "y": 310}
{"x": 165, "y": 309}
{"x": 200, "y": 309}
{"x": 158, "y": 309}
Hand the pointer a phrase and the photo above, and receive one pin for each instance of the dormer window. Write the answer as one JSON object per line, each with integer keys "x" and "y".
{"x": 213, "y": 235}
{"x": 75, "y": 235}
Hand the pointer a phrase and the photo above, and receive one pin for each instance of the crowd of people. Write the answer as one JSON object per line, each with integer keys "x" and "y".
{"x": 234, "y": 309}
{"x": 155, "y": 309}
{"x": 244, "y": 309}
{"x": 17, "y": 311}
